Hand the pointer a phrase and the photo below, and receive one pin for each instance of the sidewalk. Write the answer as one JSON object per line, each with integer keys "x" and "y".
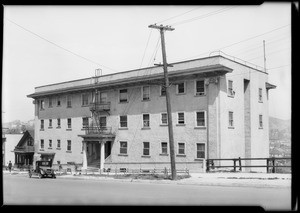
{"x": 203, "y": 179}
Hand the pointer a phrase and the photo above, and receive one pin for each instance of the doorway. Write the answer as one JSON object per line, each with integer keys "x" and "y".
{"x": 107, "y": 149}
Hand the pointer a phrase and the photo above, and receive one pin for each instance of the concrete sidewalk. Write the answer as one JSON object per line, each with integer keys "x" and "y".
{"x": 203, "y": 179}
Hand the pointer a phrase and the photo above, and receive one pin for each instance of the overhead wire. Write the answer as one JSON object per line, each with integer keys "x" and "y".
{"x": 178, "y": 15}
{"x": 63, "y": 48}
{"x": 146, "y": 47}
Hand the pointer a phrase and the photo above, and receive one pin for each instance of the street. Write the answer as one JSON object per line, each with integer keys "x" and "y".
{"x": 33, "y": 191}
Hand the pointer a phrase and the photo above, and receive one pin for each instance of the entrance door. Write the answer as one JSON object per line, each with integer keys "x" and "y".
{"x": 107, "y": 149}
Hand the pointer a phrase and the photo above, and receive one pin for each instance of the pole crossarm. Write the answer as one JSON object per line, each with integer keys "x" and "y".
{"x": 161, "y": 27}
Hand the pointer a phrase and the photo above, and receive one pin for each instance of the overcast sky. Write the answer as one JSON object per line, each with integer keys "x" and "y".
{"x": 51, "y": 44}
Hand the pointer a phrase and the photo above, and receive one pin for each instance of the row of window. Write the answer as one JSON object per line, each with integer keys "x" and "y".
{"x": 181, "y": 149}
{"x": 58, "y": 144}
{"x": 145, "y": 91}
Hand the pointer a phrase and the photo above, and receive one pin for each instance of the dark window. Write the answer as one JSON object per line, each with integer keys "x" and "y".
{"x": 146, "y": 120}
{"x": 164, "y": 118}
{"x": 164, "y": 148}
{"x": 260, "y": 121}
{"x": 50, "y": 143}
{"x": 180, "y": 88}
{"x": 58, "y": 143}
{"x": 85, "y": 99}
{"x": 200, "y": 120}
{"x": 69, "y": 123}
{"x": 85, "y": 122}
{"x": 123, "y": 95}
{"x": 123, "y": 121}
{"x": 42, "y": 104}
{"x": 58, "y": 122}
{"x": 123, "y": 147}
{"x": 230, "y": 119}
{"x": 230, "y": 88}
{"x": 146, "y": 149}
{"x": 58, "y": 101}
{"x": 181, "y": 148}
{"x": 69, "y": 145}
{"x": 163, "y": 91}
{"x": 260, "y": 94}
{"x": 180, "y": 117}
{"x": 146, "y": 93}
{"x": 200, "y": 89}
{"x": 42, "y": 143}
{"x": 69, "y": 101}
{"x": 50, "y": 122}
{"x": 200, "y": 150}
{"x": 42, "y": 124}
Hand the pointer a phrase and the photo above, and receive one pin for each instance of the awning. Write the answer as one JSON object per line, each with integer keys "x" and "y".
{"x": 270, "y": 86}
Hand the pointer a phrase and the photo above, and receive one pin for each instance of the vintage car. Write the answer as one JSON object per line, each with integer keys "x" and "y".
{"x": 42, "y": 169}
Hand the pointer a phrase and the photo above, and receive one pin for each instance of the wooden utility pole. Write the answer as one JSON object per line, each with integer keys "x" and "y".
{"x": 169, "y": 112}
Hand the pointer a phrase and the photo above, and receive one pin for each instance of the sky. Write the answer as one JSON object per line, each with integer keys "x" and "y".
{"x": 51, "y": 44}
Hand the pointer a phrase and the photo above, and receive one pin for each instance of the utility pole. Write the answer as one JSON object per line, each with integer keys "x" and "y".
{"x": 265, "y": 68}
{"x": 169, "y": 112}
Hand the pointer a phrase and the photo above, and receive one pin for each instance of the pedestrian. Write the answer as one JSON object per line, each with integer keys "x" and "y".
{"x": 9, "y": 166}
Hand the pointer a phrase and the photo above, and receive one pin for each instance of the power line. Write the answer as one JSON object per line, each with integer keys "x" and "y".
{"x": 178, "y": 15}
{"x": 58, "y": 45}
{"x": 146, "y": 47}
{"x": 203, "y": 16}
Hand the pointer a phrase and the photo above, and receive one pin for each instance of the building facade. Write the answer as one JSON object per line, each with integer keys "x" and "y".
{"x": 219, "y": 110}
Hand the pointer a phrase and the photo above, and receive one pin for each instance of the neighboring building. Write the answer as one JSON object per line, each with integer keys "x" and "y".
{"x": 24, "y": 150}
{"x": 11, "y": 141}
{"x": 219, "y": 110}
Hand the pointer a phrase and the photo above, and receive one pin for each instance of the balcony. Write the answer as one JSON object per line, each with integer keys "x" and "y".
{"x": 100, "y": 106}
{"x": 24, "y": 149}
{"x": 93, "y": 130}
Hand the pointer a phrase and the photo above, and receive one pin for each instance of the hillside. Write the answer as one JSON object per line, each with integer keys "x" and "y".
{"x": 279, "y": 129}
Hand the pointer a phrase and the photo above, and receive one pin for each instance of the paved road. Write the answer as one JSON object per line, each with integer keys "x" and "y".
{"x": 23, "y": 190}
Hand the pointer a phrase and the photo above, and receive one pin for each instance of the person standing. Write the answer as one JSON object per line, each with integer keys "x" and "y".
{"x": 9, "y": 166}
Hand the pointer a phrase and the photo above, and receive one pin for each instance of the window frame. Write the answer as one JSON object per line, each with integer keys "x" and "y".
{"x": 184, "y": 88}
{"x": 50, "y": 144}
{"x": 120, "y": 126}
{"x": 197, "y": 151}
{"x": 260, "y": 121}
{"x": 146, "y": 149}
{"x": 179, "y": 120}
{"x": 69, "y": 101}
{"x": 69, "y": 145}
{"x": 69, "y": 124}
{"x": 196, "y": 119}
{"x": 230, "y": 120}
{"x": 58, "y": 123}
{"x": 42, "y": 144}
{"x": 58, "y": 144}
{"x": 42, "y": 126}
{"x": 142, "y": 91}
{"x": 161, "y": 89}
{"x": 123, "y": 148}
{"x": 230, "y": 91}
{"x": 58, "y": 101}
{"x": 162, "y": 148}
{"x": 161, "y": 119}
{"x": 123, "y": 100}
{"x": 50, "y": 103}
{"x": 50, "y": 123}
{"x": 204, "y": 88}
{"x": 260, "y": 95}
{"x": 143, "y": 120}
{"x": 83, "y": 123}
{"x": 178, "y": 148}
{"x": 84, "y": 99}
{"x": 42, "y": 104}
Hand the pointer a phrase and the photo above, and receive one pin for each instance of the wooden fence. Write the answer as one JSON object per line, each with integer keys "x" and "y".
{"x": 270, "y": 163}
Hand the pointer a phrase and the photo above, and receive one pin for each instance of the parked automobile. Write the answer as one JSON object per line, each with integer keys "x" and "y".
{"x": 42, "y": 169}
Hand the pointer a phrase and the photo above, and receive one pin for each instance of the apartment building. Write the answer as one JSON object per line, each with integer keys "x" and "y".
{"x": 219, "y": 110}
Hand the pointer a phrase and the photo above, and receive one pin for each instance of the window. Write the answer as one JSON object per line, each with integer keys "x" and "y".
{"x": 146, "y": 149}
{"x": 102, "y": 121}
{"x": 123, "y": 121}
{"x": 181, "y": 148}
{"x": 58, "y": 144}
{"x": 230, "y": 119}
{"x": 69, "y": 123}
{"x": 58, "y": 101}
{"x": 50, "y": 144}
{"x": 146, "y": 120}
{"x": 180, "y": 88}
{"x": 200, "y": 150}
{"x": 50, "y": 123}
{"x": 85, "y": 99}
{"x": 200, "y": 88}
{"x": 85, "y": 122}
{"x": 200, "y": 119}
{"x": 50, "y": 102}
{"x": 230, "y": 88}
{"x": 123, "y": 147}
{"x": 260, "y": 95}
{"x": 42, "y": 144}
{"x": 42, "y": 104}
{"x": 69, "y": 101}
{"x": 30, "y": 142}
{"x": 123, "y": 95}
{"x": 69, "y": 145}
{"x": 260, "y": 121}
{"x": 103, "y": 97}
{"x": 58, "y": 122}
{"x": 180, "y": 117}
{"x": 164, "y": 118}
{"x": 162, "y": 91}
{"x": 164, "y": 148}
{"x": 42, "y": 124}
{"x": 146, "y": 93}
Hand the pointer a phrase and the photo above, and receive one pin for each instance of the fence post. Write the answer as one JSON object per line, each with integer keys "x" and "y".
{"x": 267, "y": 165}
{"x": 207, "y": 165}
{"x": 273, "y": 162}
{"x": 240, "y": 163}
{"x": 234, "y": 165}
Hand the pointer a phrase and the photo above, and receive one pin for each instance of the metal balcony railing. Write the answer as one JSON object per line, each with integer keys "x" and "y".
{"x": 100, "y": 106}
{"x": 92, "y": 130}
{"x": 25, "y": 149}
